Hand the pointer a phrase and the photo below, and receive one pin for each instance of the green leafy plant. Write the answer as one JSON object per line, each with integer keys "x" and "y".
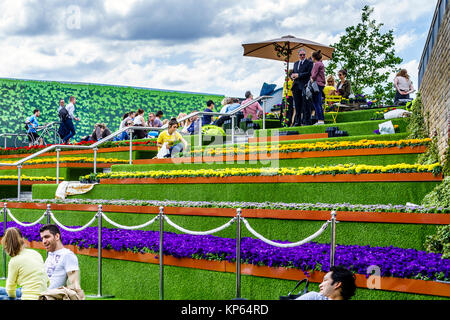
{"x": 440, "y": 196}
{"x": 439, "y": 242}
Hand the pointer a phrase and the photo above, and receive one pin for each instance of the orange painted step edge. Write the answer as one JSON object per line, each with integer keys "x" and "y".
{"x": 364, "y": 177}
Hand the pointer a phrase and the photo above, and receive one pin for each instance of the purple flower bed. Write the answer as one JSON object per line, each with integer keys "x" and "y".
{"x": 392, "y": 261}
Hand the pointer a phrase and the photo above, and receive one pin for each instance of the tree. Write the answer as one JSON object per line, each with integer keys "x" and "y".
{"x": 368, "y": 56}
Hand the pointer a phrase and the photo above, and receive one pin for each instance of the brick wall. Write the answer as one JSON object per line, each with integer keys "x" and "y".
{"x": 435, "y": 86}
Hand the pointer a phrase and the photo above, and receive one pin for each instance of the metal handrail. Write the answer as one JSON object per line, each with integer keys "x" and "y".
{"x": 95, "y": 146}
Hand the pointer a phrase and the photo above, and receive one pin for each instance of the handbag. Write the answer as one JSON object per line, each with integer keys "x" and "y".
{"x": 291, "y": 296}
{"x": 315, "y": 87}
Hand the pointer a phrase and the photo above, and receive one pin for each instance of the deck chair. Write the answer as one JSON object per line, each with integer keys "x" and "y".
{"x": 332, "y": 100}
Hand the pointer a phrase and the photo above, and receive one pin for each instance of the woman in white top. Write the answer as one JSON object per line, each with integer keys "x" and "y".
{"x": 139, "y": 121}
{"x": 403, "y": 86}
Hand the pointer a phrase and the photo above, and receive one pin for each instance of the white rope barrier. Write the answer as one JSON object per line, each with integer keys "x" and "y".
{"x": 129, "y": 228}
{"x": 285, "y": 245}
{"x": 199, "y": 233}
{"x": 74, "y": 229}
{"x": 25, "y": 224}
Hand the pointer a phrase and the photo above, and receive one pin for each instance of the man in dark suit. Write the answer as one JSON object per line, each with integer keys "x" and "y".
{"x": 301, "y": 76}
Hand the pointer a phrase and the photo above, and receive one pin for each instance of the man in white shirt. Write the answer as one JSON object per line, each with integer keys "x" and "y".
{"x": 61, "y": 264}
{"x": 338, "y": 284}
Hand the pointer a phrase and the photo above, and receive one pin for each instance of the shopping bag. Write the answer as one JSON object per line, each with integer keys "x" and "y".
{"x": 163, "y": 152}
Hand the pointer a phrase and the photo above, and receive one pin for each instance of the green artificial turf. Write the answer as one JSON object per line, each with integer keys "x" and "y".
{"x": 353, "y": 192}
{"x": 301, "y": 162}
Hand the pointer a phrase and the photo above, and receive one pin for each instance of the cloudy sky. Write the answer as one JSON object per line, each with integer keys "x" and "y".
{"x": 186, "y": 45}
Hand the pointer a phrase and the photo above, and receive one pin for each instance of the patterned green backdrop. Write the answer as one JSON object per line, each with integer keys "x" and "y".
{"x": 95, "y": 103}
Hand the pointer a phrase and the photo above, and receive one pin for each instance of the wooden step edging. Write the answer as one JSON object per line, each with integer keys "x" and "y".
{"x": 386, "y": 283}
{"x": 288, "y": 155}
{"x": 363, "y": 177}
{"x": 311, "y": 215}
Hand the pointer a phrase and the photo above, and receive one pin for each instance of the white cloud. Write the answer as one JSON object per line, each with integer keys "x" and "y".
{"x": 212, "y": 62}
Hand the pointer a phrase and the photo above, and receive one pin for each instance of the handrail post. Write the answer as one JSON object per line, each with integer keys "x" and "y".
{"x": 95, "y": 160}
{"x": 333, "y": 238}
{"x": 200, "y": 138}
{"x": 264, "y": 116}
{"x": 232, "y": 129}
{"x": 161, "y": 253}
{"x": 238, "y": 254}
{"x": 5, "y": 221}
{"x": 19, "y": 178}
{"x": 57, "y": 165}
{"x": 131, "y": 131}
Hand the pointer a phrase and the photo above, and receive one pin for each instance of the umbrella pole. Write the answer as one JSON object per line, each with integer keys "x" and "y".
{"x": 287, "y": 84}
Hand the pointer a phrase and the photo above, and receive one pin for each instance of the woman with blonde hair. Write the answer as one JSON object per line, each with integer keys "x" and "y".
{"x": 330, "y": 87}
{"x": 403, "y": 86}
{"x": 25, "y": 268}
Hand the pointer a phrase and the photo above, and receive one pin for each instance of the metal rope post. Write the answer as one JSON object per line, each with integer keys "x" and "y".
{"x": 5, "y": 221}
{"x": 238, "y": 253}
{"x": 333, "y": 238}
{"x": 99, "y": 277}
{"x": 19, "y": 178}
{"x": 47, "y": 213}
{"x": 161, "y": 255}
{"x": 57, "y": 165}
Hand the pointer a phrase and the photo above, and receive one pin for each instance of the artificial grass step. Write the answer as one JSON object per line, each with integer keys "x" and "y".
{"x": 355, "y": 192}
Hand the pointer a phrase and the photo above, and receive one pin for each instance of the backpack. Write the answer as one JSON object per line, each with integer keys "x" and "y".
{"x": 63, "y": 114}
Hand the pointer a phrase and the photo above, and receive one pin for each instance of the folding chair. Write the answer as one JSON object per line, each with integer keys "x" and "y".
{"x": 332, "y": 100}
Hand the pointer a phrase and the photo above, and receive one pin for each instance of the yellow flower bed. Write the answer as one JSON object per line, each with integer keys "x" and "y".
{"x": 28, "y": 178}
{"x": 317, "y": 146}
{"x": 227, "y": 172}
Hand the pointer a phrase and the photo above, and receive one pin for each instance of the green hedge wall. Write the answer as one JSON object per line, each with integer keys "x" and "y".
{"x": 95, "y": 103}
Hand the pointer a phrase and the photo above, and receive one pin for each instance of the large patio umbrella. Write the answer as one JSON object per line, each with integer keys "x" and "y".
{"x": 284, "y": 49}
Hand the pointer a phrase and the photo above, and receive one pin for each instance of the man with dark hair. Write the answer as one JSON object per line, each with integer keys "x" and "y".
{"x": 207, "y": 119}
{"x": 301, "y": 76}
{"x": 61, "y": 264}
{"x": 158, "y": 122}
{"x": 338, "y": 284}
{"x": 33, "y": 125}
